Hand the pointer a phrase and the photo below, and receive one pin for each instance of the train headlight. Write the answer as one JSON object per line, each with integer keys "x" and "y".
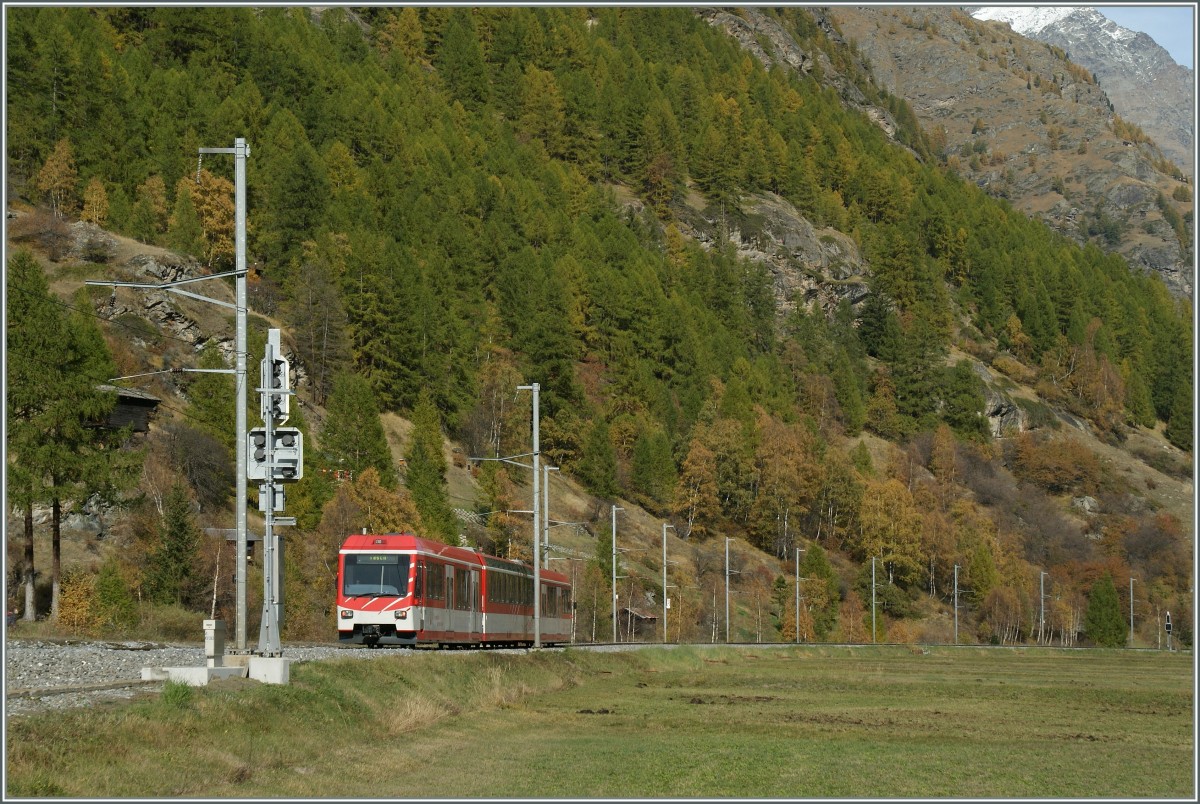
{"x": 402, "y": 615}
{"x": 347, "y": 614}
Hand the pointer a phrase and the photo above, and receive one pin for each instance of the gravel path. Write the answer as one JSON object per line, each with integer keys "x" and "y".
{"x": 37, "y": 664}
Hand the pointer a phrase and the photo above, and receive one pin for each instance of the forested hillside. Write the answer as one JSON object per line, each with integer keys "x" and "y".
{"x": 446, "y": 203}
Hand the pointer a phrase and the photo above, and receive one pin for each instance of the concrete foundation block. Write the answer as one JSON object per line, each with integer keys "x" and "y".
{"x": 269, "y": 669}
{"x": 192, "y": 676}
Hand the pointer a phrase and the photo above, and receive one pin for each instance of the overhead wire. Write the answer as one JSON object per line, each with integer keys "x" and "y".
{"x": 97, "y": 316}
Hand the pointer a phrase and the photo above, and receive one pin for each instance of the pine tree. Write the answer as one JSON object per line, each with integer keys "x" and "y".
{"x": 149, "y": 216}
{"x": 56, "y": 363}
{"x": 185, "y": 234}
{"x": 114, "y": 600}
{"x": 963, "y": 402}
{"x": 820, "y": 588}
{"x": 353, "y": 438}
{"x": 653, "y": 472}
{"x": 598, "y": 464}
{"x": 425, "y": 470}
{"x": 460, "y": 60}
{"x": 170, "y": 575}
{"x": 210, "y": 394}
{"x": 1103, "y": 622}
{"x": 320, "y": 327}
{"x": 34, "y": 322}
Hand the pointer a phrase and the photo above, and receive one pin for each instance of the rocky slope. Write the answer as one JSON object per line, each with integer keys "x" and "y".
{"x": 1141, "y": 79}
{"x": 1023, "y": 122}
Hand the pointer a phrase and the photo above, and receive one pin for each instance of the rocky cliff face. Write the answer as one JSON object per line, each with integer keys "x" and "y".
{"x": 1141, "y": 79}
{"x": 1026, "y": 124}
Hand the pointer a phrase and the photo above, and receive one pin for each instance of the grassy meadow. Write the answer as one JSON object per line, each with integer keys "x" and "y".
{"x": 774, "y": 722}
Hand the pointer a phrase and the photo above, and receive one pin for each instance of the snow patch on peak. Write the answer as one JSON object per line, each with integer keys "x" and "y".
{"x": 1030, "y": 20}
{"x": 1025, "y": 20}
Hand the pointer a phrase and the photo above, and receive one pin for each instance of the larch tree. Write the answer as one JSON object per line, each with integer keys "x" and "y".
{"x": 320, "y": 324}
{"x": 891, "y": 529}
{"x": 214, "y": 203}
{"x": 696, "y": 498}
{"x": 57, "y": 178}
{"x": 95, "y": 202}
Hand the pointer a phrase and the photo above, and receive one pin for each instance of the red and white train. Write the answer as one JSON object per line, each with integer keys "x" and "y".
{"x": 400, "y": 589}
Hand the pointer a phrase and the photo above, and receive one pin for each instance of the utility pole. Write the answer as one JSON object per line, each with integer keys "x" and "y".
{"x": 955, "y": 604}
{"x": 546, "y": 470}
{"x": 537, "y": 534}
{"x": 728, "y": 572}
{"x": 665, "y": 602}
{"x": 1042, "y": 606}
{"x": 872, "y": 599}
{"x": 1131, "y": 580}
{"x": 240, "y": 151}
{"x": 799, "y": 550}
{"x": 614, "y": 570}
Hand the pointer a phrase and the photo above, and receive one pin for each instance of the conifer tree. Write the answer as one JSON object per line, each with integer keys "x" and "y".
{"x": 210, "y": 393}
{"x": 57, "y": 178}
{"x": 184, "y": 233}
{"x": 653, "y": 472}
{"x": 819, "y": 586}
{"x": 171, "y": 571}
{"x": 56, "y": 363}
{"x": 1103, "y": 623}
{"x": 353, "y": 438}
{"x": 598, "y": 463}
{"x": 149, "y": 216}
{"x": 33, "y": 324}
{"x": 95, "y": 202}
{"x": 460, "y": 60}
{"x": 425, "y": 470}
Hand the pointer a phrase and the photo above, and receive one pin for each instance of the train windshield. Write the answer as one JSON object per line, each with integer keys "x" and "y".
{"x": 375, "y": 574}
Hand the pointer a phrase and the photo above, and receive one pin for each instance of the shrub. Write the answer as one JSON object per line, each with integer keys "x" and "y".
{"x": 115, "y": 605}
{"x": 1058, "y": 465}
{"x": 78, "y": 607}
{"x": 170, "y": 622}
{"x": 177, "y": 695}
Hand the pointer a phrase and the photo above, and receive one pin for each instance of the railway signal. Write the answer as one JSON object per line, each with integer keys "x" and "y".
{"x": 286, "y": 454}
{"x": 276, "y": 394}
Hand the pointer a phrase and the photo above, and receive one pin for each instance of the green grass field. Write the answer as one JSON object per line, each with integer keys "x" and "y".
{"x": 808, "y": 722}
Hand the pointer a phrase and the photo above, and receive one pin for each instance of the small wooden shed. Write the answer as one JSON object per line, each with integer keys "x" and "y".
{"x": 134, "y": 408}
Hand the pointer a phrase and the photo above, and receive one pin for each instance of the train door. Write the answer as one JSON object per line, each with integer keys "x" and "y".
{"x": 476, "y": 627}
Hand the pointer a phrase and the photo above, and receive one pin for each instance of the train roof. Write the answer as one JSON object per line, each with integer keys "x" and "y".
{"x": 410, "y": 541}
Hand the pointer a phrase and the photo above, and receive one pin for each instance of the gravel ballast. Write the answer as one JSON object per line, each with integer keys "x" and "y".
{"x": 31, "y": 665}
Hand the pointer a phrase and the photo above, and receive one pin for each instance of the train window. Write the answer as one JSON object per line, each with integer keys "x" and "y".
{"x": 462, "y": 589}
{"x": 375, "y": 574}
{"x": 419, "y": 580}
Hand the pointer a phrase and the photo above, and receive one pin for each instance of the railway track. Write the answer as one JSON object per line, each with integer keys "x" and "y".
{"x": 63, "y": 674}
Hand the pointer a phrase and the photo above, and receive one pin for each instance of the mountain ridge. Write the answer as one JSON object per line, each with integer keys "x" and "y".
{"x": 1141, "y": 78}
{"x": 1022, "y": 121}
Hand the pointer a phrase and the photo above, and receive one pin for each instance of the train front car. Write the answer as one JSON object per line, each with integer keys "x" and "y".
{"x": 375, "y": 591}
